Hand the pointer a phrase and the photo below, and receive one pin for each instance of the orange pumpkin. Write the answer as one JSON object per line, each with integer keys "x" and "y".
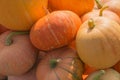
{"x": 78, "y": 6}
{"x": 55, "y": 30}
{"x": 17, "y": 58}
{"x": 97, "y": 42}
{"x": 60, "y": 64}
{"x": 101, "y": 12}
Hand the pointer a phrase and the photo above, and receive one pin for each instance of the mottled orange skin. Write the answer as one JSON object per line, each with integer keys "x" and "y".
{"x": 17, "y": 58}
{"x": 78, "y": 6}
{"x": 55, "y": 30}
{"x": 66, "y": 56}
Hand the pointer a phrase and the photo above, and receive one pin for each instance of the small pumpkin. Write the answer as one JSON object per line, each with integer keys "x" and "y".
{"x": 30, "y": 75}
{"x": 60, "y": 64}
{"x": 106, "y": 74}
{"x": 114, "y": 6}
{"x": 97, "y": 42}
{"x": 17, "y": 58}
{"x": 101, "y": 13}
{"x": 20, "y": 15}
{"x": 55, "y": 30}
{"x": 80, "y": 7}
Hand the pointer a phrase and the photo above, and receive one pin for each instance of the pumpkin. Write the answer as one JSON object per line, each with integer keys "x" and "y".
{"x": 60, "y": 64}
{"x": 20, "y": 15}
{"x": 106, "y": 74}
{"x": 2, "y": 29}
{"x": 117, "y": 67}
{"x": 97, "y": 42}
{"x": 114, "y": 6}
{"x": 27, "y": 76}
{"x": 80, "y": 7}
{"x": 55, "y": 30}
{"x": 101, "y": 12}
{"x": 18, "y": 57}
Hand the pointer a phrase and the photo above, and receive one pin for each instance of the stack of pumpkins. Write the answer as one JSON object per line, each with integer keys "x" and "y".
{"x": 60, "y": 40}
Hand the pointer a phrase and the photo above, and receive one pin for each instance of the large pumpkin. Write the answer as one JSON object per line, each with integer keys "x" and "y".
{"x": 78, "y": 6}
{"x": 98, "y": 42}
{"x": 55, "y": 30}
{"x": 60, "y": 64}
{"x": 21, "y": 14}
{"x": 17, "y": 58}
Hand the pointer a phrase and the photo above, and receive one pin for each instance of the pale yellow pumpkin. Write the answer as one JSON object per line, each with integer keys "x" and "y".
{"x": 21, "y": 14}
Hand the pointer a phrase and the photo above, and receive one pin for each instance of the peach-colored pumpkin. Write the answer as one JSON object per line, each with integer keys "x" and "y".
{"x": 67, "y": 67}
{"x": 17, "y": 58}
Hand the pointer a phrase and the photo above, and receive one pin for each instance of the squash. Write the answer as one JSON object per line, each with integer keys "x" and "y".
{"x": 80, "y": 7}
{"x": 17, "y": 58}
{"x": 55, "y": 30}
{"x": 60, "y": 64}
{"x": 103, "y": 12}
{"x": 97, "y": 42}
{"x": 106, "y": 74}
{"x": 20, "y": 15}
{"x": 114, "y": 6}
{"x": 30, "y": 75}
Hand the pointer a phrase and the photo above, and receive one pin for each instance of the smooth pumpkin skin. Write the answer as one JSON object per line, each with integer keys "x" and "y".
{"x": 78, "y": 6}
{"x": 106, "y": 74}
{"x": 55, "y": 30}
{"x": 114, "y": 6}
{"x": 27, "y": 76}
{"x": 66, "y": 56}
{"x": 99, "y": 47}
{"x": 106, "y": 13}
{"x": 17, "y": 58}
{"x": 20, "y": 15}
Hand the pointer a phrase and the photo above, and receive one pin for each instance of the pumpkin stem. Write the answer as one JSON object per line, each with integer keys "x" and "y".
{"x": 91, "y": 24}
{"x": 9, "y": 40}
{"x": 99, "y": 5}
{"x": 54, "y": 62}
{"x": 102, "y": 9}
{"x": 97, "y": 77}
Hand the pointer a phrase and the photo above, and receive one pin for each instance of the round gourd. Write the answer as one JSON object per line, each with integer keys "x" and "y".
{"x": 55, "y": 30}
{"x": 20, "y": 15}
{"x": 60, "y": 64}
{"x": 114, "y": 6}
{"x": 101, "y": 12}
{"x": 78, "y": 6}
{"x": 17, "y": 58}
{"x": 107, "y": 74}
{"x": 97, "y": 42}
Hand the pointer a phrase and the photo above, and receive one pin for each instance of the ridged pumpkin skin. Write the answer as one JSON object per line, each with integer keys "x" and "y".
{"x": 55, "y": 30}
{"x": 17, "y": 58}
{"x": 20, "y": 15}
{"x": 69, "y": 66}
{"x": 78, "y": 6}
{"x": 99, "y": 47}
